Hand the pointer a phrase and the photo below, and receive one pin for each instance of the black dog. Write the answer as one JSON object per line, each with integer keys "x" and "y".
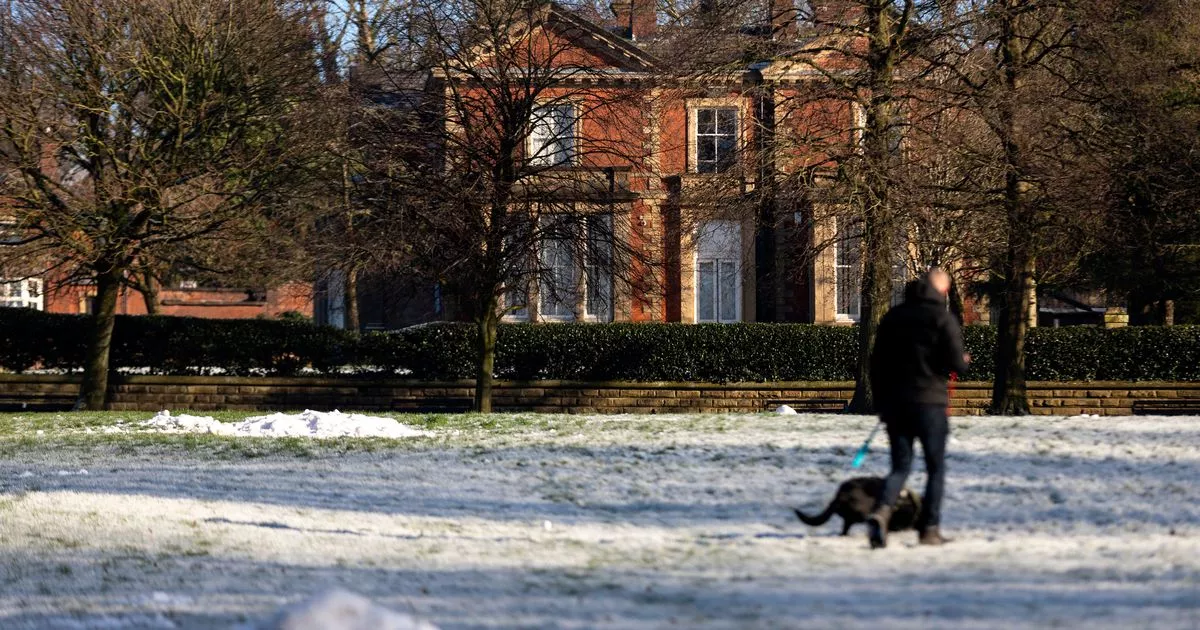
{"x": 854, "y": 501}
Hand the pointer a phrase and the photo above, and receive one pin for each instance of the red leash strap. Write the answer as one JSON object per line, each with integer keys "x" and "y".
{"x": 950, "y": 391}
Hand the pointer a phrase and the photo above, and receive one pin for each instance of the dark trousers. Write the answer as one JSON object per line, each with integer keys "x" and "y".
{"x": 927, "y": 423}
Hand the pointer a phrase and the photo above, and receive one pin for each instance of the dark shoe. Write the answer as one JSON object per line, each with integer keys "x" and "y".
{"x": 932, "y": 536}
{"x": 877, "y": 527}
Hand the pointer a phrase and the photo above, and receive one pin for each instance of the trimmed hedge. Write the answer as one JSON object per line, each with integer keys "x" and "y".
{"x": 584, "y": 352}
{"x": 622, "y": 352}
{"x": 174, "y": 345}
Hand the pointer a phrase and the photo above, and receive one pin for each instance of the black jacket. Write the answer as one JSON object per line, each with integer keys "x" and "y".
{"x": 918, "y": 344}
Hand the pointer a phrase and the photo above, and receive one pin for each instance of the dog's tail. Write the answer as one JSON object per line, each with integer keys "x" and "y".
{"x": 818, "y": 519}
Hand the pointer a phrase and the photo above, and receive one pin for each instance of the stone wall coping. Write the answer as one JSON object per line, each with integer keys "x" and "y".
{"x": 376, "y": 381}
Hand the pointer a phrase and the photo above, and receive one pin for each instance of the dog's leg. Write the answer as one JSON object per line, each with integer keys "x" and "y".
{"x": 846, "y": 525}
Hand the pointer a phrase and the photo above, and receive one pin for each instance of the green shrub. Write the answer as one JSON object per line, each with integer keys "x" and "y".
{"x": 579, "y": 352}
{"x": 980, "y": 343}
{"x": 175, "y": 345}
{"x": 1139, "y": 353}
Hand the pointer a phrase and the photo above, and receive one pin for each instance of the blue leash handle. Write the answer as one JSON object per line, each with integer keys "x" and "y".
{"x": 861, "y": 455}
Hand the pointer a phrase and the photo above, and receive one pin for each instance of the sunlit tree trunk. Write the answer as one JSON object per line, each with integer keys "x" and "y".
{"x": 93, "y": 393}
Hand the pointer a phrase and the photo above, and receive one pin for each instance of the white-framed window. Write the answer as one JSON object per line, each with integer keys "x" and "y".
{"x": 847, "y": 254}
{"x": 558, "y": 287}
{"x": 517, "y": 290}
{"x": 719, "y": 272}
{"x": 552, "y": 137}
{"x": 576, "y": 275}
{"x": 516, "y": 304}
{"x": 715, "y": 136}
{"x": 27, "y": 293}
{"x": 848, "y": 268}
{"x": 598, "y": 268}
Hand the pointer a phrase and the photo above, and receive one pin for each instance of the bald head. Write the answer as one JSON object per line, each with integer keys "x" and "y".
{"x": 939, "y": 280}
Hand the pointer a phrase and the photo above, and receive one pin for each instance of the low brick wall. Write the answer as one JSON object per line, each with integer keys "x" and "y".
{"x": 151, "y": 393}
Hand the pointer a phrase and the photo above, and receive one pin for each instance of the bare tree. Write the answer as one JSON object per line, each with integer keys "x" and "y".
{"x": 526, "y": 209}
{"x": 133, "y": 127}
{"x": 872, "y": 60}
{"x": 1019, "y": 76}
{"x": 354, "y": 41}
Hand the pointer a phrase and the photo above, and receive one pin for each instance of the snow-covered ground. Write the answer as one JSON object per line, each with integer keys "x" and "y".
{"x": 603, "y": 522}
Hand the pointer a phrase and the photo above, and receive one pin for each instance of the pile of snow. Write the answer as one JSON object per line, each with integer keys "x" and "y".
{"x": 314, "y": 424}
{"x": 183, "y": 423}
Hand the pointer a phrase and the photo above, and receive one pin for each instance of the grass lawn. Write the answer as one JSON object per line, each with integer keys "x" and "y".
{"x": 538, "y": 521}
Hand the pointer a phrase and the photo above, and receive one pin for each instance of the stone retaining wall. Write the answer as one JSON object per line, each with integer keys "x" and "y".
{"x": 151, "y": 393}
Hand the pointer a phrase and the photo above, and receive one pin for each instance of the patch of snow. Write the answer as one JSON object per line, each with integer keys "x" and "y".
{"x": 785, "y": 410}
{"x": 58, "y": 473}
{"x": 339, "y": 609}
{"x": 314, "y": 424}
{"x": 71, "y": 473}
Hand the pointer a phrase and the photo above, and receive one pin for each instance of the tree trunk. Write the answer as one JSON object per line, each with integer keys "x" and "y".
{"x": 879, "y": 228}
{"x": 487, "y": 323}
{"x": 149, "y": 291}
{"x": 350, "y": 299}
{"x": 957, "y": 307}
{"x": 878, "y": 251}
{"x": 93, "y": 393}
{"x": 1008, "y": 388}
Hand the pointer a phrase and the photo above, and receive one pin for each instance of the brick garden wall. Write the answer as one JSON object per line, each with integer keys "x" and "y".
{"x": 151, "y": 393}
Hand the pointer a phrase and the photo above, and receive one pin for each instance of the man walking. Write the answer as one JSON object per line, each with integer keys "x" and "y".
{"x": 918, "y": 345}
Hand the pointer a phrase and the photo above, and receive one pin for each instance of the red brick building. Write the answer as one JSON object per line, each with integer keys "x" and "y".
{"x": 696, "y": 186}
{"x": 218, "y": 303}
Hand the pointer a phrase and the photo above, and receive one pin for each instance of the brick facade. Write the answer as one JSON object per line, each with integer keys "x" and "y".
{"x": 151, "y": 393}
{"x": 215, "y": 303}
{"x": 786, "y": 138}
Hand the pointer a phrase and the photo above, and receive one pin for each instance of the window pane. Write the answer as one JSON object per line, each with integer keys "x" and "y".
{"x": 706, "y": 121}
{"x": 599, "y": 235}
{"x": 599, "y": 293}
{"x": 519, "y": 278}
{"x": 706, "y": 150}
{"x": 706, "y": 294}
{"x": 552, "y": 137}
{"x": 517, "y": 301}
{"x": 728, "y": 292}
{"x": 559, "y": 279}
{"x": 849, "y": 268}
{"x": 720, "y": 239}
{"x": 899, "y": 279}
{"x": 727, "y": 122}
{"x": 599, "y": 267}
{"x": 565, "y": 134}
{"x": 725, "y": 152}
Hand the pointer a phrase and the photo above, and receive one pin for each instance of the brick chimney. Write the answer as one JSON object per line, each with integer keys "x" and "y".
{"x": 832, "y": 15}
{"x": 783, "y": 18}
{"x": 635, "y": 19}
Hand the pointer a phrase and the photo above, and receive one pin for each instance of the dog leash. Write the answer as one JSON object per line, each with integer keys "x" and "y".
{"x": 861, "y": 455}
{"x": 950, "y": 391}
